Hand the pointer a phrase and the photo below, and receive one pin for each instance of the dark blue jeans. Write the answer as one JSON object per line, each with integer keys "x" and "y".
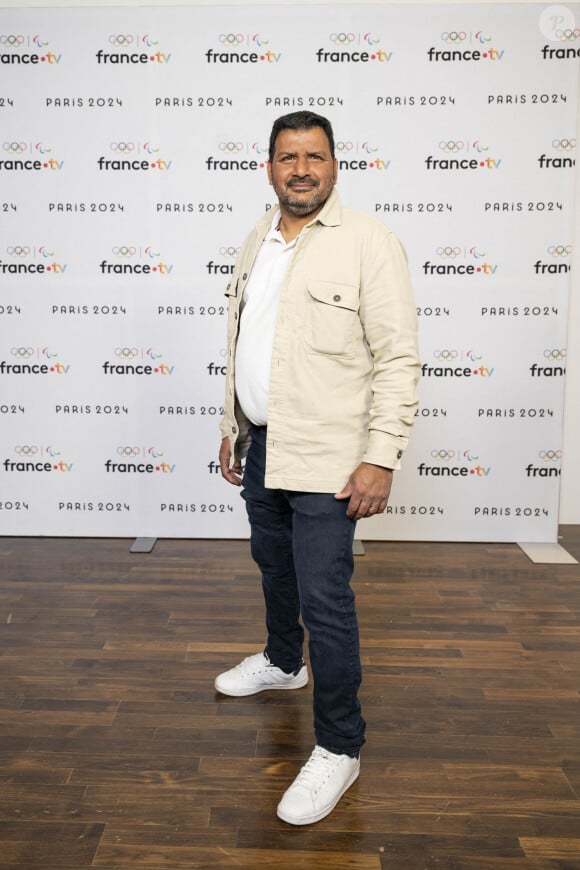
{"x": 302, "y": 543}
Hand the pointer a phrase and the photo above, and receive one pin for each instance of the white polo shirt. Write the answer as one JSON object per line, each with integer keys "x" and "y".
{"x": 259, "y": 311}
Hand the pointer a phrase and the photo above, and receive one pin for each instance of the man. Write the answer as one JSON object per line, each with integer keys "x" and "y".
{"x": 320, "y": 397}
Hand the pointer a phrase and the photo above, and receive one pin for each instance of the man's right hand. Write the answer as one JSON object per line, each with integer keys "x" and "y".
{"x": 233, "y": 474}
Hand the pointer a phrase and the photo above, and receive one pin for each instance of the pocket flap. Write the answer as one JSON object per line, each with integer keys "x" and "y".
{"x": 331, "y": 293}
{"x": 232, "y": 288}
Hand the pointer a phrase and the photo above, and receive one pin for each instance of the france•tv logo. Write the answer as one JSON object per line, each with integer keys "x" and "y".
{"x": 36, "y": 458}
{"x": 39, "y": 156}
{"x": 124, "y": 254}
{"x": 152, "y": 461}
{"x": 474, "y": 155}
{"x": 45, "y": 362}
{"x": 454, "y": 363}
{"x": 127, "y": 362}
{"x": 452, "y": 463}
{"x": 130, "y": 155}
{"x": 477, "y": 262}
{"x": 236, "y": 48}
{"x": 457, "y": 50}
{"x": 350, "y": 47}
{"x": 237, "y": 155}
{"x": 130, "y": 48}
{"x": 360, "y": 156}
{"x": 21, "y": 259}
{"x": 19, "y": 49}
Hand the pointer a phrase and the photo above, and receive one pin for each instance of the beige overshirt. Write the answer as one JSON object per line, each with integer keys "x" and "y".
{"x": 345, "y": 365}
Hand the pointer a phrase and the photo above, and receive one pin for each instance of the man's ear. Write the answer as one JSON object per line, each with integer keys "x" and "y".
{"x": 269, "y": 171}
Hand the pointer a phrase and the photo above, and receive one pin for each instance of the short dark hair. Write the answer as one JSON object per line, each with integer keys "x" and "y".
{"x": 300, "y": 121}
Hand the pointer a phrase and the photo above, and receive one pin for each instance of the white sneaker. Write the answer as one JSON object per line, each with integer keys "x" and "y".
{"x": 256, "y": 674}
{"x": 318, "y": 787}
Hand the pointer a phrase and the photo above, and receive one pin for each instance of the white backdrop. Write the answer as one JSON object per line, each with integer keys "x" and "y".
{"x": 131, "y": 166}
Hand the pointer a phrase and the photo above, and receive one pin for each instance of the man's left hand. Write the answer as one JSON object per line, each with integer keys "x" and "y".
{"x": 368, "y": 489}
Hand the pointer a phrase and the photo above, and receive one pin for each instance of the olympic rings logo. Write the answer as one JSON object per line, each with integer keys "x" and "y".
{"x": 124, "y": 250}
{"x": 22, "y": 352}
{"x": 448, "y": 251}
{"x": 560, "y": 250}
{"x": 452, "y": 145}
{"x": 231, "y": 147}
{"x": 230, "y": 251}
{"x": 564, "y": 144}
{"x": 128, "y": 451}
{"x": 445, "y": 354}
{"x": 342, "y": 38}
{"x": 550, "y": 455}
{"x": 231, "y": 38}
{"x": 18, "y": 250}
{"x": 444, "y": 455}
{"x": 26, "y": 449}
{"x": 555, "y": 353}
{"x": 15, "y": 147}
{"x": 11, "y": 39}
{"x": 127, "y": 352}
{"x": 120, "y": 39}
{"x": 122, "y": 147}
{"x": 568, "y": 35}
{"x": 453, "y": 37}
{"x": 344, "y": 146}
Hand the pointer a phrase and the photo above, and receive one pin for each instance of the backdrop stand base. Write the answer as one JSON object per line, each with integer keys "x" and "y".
{"x": 143, "y": 545}
{"x": 357, "y": 548}
{"x": 549, "y": 554}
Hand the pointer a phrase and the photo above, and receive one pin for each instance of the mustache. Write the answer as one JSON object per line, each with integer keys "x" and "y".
{"x": 305, "y": 179}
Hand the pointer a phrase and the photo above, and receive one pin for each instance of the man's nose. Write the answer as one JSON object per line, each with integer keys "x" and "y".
{"x": 301, "y": 166}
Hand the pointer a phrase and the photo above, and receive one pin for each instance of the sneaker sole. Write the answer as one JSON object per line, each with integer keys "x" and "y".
{"x": 298, "y": 682}
{"x": 321, "y": 814}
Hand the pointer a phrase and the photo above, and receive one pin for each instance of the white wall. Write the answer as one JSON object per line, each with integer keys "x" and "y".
{"x": 569, "y": 501}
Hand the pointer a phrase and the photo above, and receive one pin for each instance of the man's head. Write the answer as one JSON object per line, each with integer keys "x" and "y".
{"x": 300, "y": 121}
{"x": 302, "y": 167}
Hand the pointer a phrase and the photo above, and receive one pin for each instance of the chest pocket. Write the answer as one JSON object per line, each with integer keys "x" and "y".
{"x": 332, "y": 323}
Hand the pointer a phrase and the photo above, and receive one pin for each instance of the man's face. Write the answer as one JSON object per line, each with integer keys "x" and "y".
{"x": 302, "y": 171}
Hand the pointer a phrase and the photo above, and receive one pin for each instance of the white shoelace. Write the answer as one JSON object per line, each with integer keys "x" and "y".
{"x": 318, "y": 769}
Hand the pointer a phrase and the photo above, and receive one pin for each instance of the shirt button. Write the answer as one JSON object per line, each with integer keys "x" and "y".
{"x": 336, "y": 298}
{"x": 244, "y": 276}
{"x": 399, "y": 454}
{"x": 234, "y": 429}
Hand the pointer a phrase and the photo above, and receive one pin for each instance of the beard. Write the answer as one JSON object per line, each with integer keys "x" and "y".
{"x": 304, "y": 204}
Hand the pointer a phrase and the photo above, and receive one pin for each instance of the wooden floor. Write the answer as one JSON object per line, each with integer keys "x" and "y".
{"x": 116, "y": 752}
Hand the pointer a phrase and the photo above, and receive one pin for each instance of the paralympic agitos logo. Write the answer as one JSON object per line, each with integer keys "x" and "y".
{"x": 129, "y": 48}
{"x": 350, "y": 47}
{"x": 243, "y": 48}
{"x": 128, "y": 155}
{"x": 19, "y": 155}
{"x": 23, "y": 49}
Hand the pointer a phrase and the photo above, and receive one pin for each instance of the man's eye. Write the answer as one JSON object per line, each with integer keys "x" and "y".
{"x": 287, "y": 159}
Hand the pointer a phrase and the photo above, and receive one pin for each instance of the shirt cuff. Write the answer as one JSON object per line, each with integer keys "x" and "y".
{"x": 384, "y": 449}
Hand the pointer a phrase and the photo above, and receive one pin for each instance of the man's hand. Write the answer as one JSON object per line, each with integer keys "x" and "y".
{"x": 233, "y": 474}
{"x": 368, "y": 489}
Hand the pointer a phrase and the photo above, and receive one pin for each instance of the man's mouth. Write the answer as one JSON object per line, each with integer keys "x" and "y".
{"x": 301, "y": 185}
